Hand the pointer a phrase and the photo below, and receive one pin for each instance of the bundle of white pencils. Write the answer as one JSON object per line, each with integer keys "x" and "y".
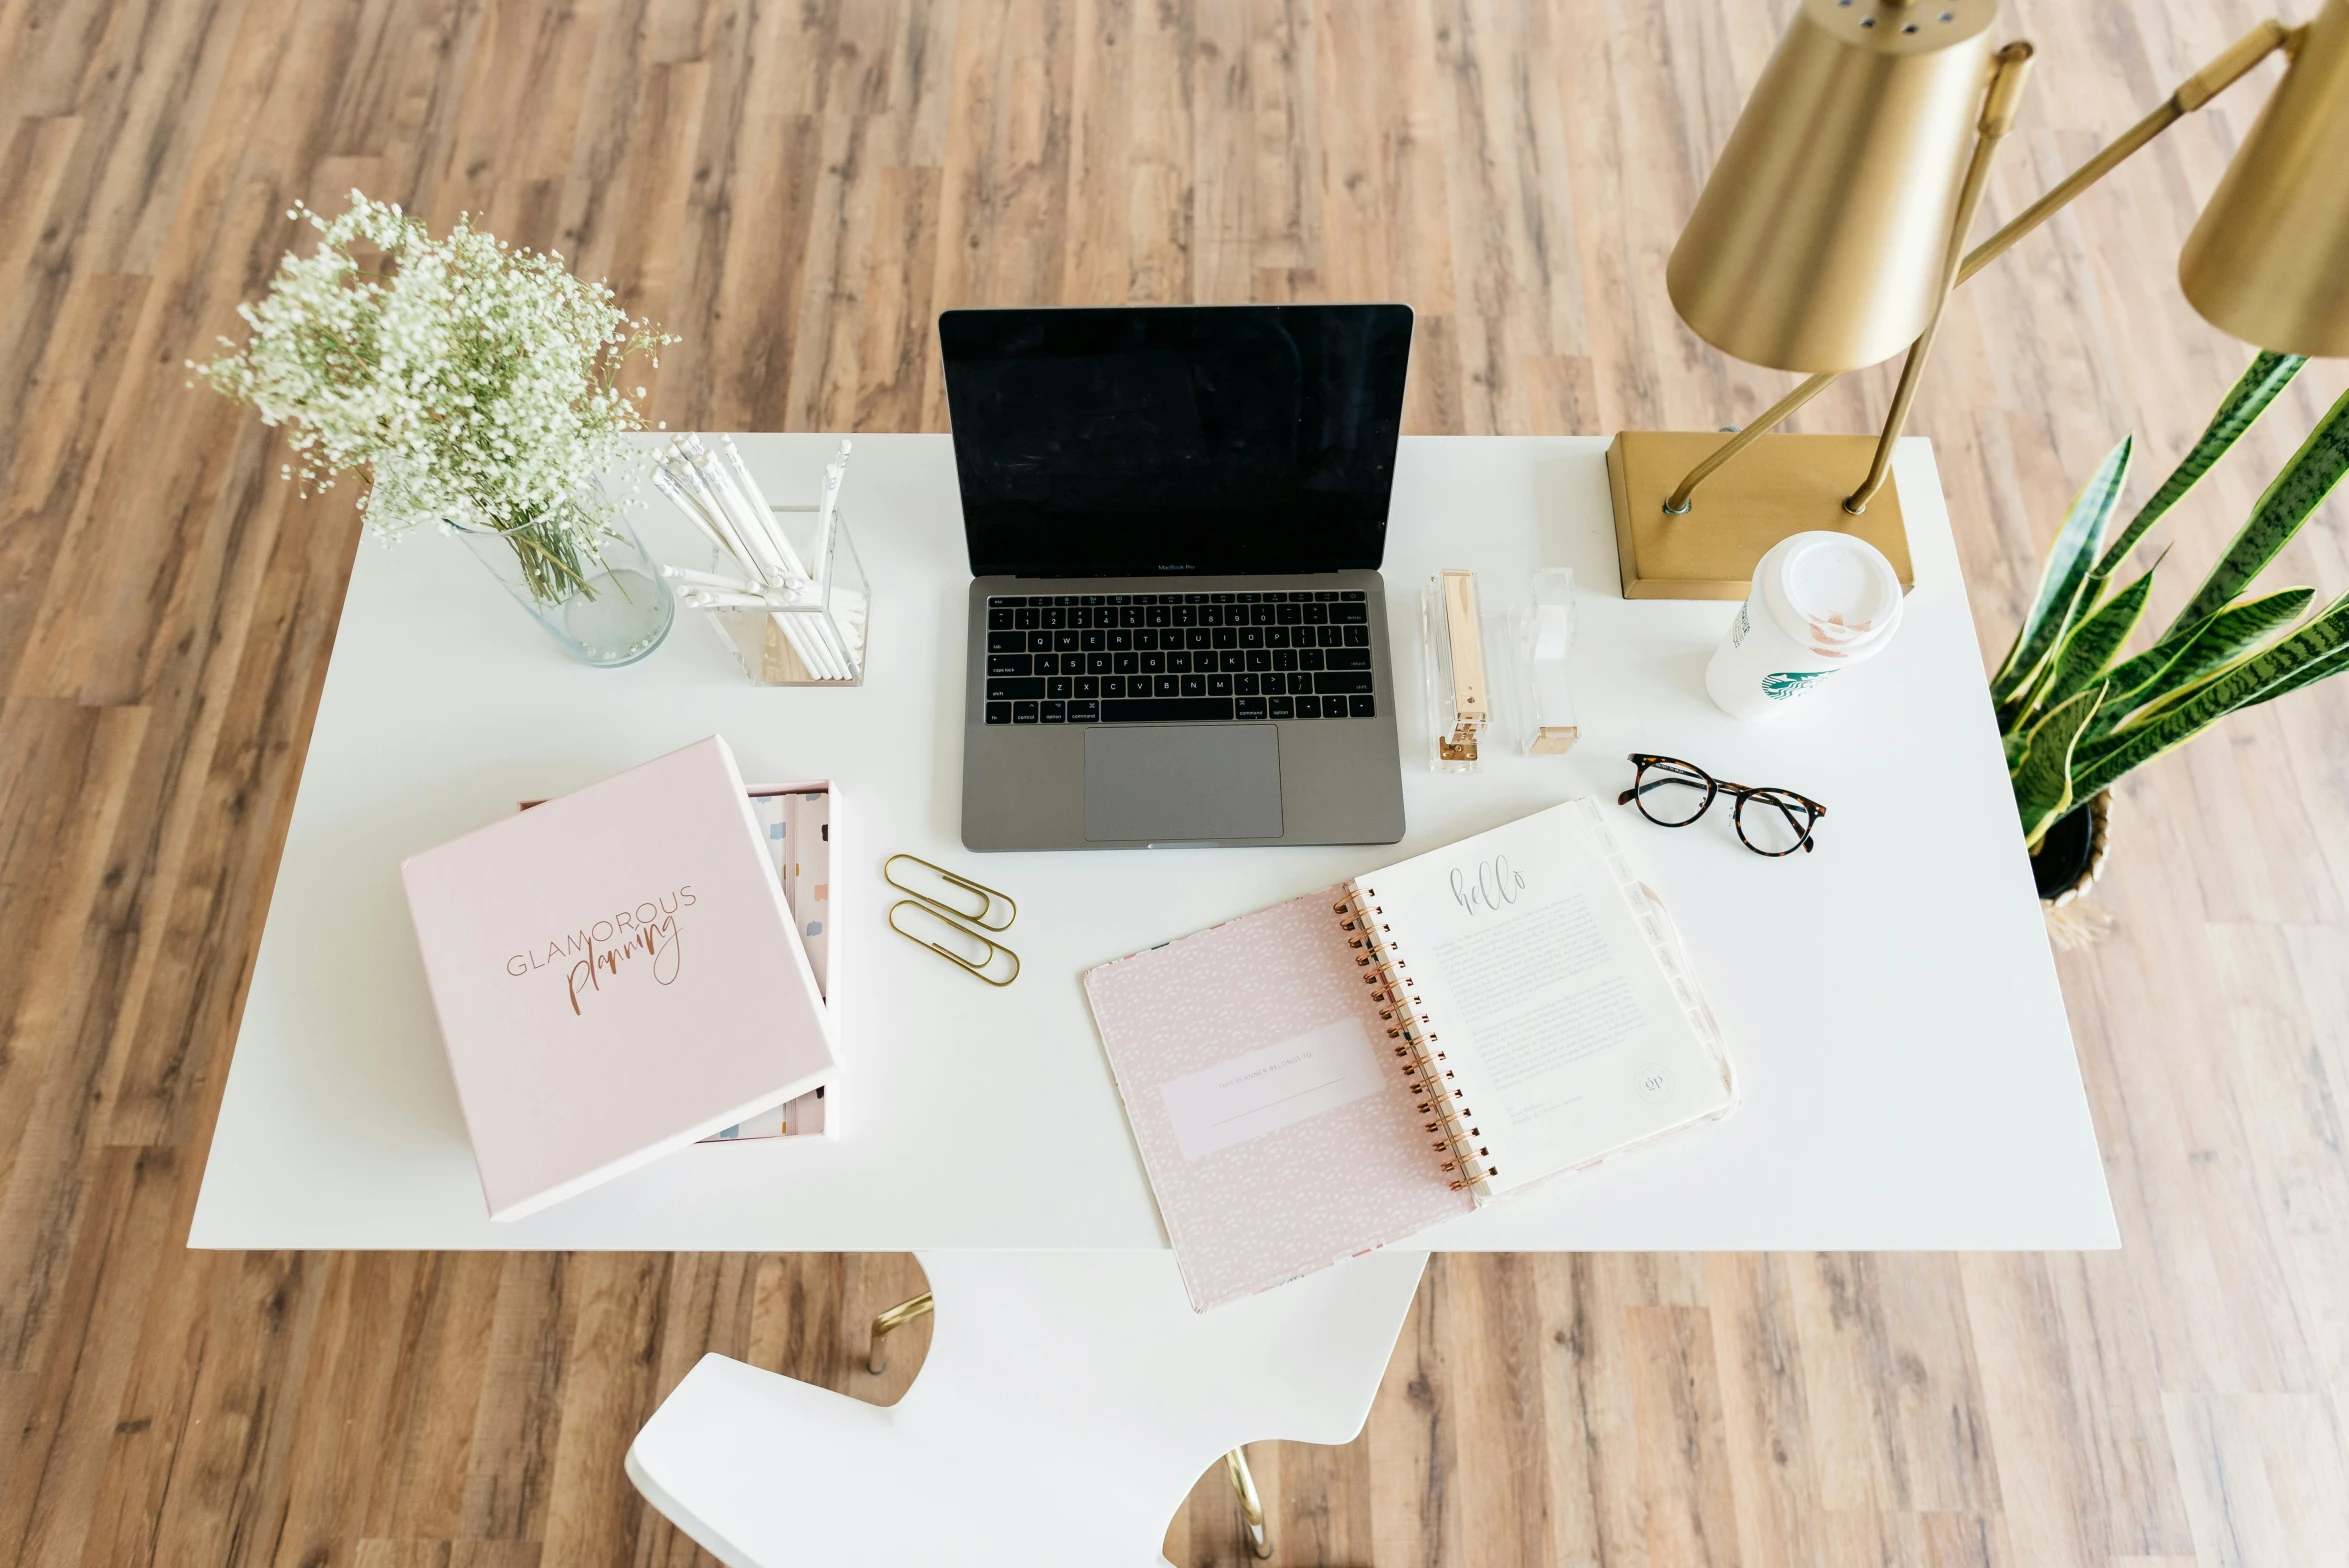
{"x": 757, "y": 567}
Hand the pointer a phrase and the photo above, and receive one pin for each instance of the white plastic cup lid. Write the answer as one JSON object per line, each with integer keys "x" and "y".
{"x": 1834, "y": 593}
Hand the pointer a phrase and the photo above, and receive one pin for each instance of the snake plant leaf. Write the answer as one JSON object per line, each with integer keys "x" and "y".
{"x": 2177, "y": 663}
{"x": 2015, "y": 714}
{"x": 2335, "y": 613}
{"x": 2066, "y": 573}
{"x": 2304, "y": 483}
{"x": 2043, "y": 778}
{"x": 2089, "y": 650}
{"x": 2247, "y": 681}
{"x": 2307, "y": 675}
{"x": 2266, "y": 376}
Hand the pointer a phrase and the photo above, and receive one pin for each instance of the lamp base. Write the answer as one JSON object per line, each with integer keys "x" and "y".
{"x": 1782, "y": 484}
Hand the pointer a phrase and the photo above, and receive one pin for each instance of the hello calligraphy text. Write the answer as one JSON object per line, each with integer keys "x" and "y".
{"x": 1495, "y": 885}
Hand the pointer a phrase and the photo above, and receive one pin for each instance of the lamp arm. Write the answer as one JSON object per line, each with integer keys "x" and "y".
{"x": 1677, "y": 503}
{"x": 2011, "y": 68}
{"x": 2229, "y": 67}
{"x": 2223, "y": 71}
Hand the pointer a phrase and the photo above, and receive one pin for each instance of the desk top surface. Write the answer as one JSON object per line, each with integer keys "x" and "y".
{"x": 1908, "y": 1071}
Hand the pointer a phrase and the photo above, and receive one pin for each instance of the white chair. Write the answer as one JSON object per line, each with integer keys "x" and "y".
{"x": 1069, "y": 1401}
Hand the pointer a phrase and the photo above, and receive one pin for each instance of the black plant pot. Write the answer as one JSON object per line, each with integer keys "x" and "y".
{"x": 2073, "y": 850}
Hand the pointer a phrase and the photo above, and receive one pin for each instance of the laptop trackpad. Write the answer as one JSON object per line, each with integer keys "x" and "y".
{"x": 1205, "y": 781}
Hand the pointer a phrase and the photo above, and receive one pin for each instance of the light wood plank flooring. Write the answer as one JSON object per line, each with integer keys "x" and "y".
{"x": 798, "y": 189}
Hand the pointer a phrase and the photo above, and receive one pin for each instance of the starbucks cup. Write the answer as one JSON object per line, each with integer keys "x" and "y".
{"x": 1821, "y": 602}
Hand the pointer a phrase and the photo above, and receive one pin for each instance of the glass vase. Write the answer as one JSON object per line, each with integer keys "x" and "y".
{"x": 620, "y": 614}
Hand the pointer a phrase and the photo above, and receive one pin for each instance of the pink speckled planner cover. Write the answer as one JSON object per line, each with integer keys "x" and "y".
{"x": 1275, "y": 1123}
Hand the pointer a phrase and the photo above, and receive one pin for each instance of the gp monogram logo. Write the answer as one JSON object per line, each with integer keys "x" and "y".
{"x": 597, "y": 953}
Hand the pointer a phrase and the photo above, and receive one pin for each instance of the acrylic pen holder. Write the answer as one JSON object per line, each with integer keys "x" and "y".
{"x": 819, "y": 640}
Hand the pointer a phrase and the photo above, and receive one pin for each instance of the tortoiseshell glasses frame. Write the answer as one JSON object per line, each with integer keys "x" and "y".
{"x": 1662, "y": 790}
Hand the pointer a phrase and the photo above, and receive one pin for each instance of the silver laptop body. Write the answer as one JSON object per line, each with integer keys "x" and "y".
{"x": 1181, "y": 706}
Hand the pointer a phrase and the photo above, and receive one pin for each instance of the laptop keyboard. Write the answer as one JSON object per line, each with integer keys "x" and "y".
{"x": 1123, "y": 658}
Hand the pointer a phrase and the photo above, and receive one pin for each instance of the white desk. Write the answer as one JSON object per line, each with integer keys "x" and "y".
{"x": 1909, "y": 1076}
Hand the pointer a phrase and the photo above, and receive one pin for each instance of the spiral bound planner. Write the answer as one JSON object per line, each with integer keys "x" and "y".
{"x": 1339, "y": 1072}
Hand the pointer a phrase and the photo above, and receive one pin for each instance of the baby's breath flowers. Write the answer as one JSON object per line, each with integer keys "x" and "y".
{"x": 476, "y": 382}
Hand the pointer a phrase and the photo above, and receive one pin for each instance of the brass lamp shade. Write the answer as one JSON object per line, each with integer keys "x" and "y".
{"x": 2268, "y": 261}
{"x": 1820, "y": 239}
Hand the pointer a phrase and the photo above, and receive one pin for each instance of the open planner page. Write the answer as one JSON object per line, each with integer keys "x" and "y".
{"x": 1555, "y": 990}
{"x": 1276, "y": 1125}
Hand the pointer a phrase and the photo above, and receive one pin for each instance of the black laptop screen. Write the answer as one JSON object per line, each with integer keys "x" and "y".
{"x": 1163, "y": 441}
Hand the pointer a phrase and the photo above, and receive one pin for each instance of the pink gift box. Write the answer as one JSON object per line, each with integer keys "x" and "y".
{"x": 616, "y": 976}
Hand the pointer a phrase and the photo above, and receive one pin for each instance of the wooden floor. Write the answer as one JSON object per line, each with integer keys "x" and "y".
{"x": 798, "y": 189}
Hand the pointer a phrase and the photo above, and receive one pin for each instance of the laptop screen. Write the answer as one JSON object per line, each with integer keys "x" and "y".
{"x": 1150, "y": 441}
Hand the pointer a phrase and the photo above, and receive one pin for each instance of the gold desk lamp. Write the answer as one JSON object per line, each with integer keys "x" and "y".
{"x": 1833, "y": 229}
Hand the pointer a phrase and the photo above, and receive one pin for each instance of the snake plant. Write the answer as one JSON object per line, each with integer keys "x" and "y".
{"x": 2075, "y": 713}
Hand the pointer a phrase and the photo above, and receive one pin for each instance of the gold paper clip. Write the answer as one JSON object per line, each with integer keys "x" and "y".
{"x": 963, "y": 933}
{"x": 987, "y": 896}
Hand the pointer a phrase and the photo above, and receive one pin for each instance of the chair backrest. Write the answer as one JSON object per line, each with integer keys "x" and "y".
{"x": 1068, "y": 1397}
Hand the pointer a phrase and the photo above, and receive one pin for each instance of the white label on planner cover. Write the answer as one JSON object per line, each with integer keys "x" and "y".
{"x": 1273, "y": 1088}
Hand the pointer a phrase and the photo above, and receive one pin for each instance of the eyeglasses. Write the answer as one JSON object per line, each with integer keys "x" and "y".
{"x": 1672, "y": 794}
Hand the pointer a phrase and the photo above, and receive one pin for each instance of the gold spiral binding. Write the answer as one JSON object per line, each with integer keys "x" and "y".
{"x": 1466, "y": 1161}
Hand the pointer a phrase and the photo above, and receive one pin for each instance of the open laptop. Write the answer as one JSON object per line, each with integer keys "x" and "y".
{"x": 1177, "y": 629}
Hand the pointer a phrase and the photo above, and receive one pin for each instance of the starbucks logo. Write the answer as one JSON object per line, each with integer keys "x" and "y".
{"x": 1782, "y": 684}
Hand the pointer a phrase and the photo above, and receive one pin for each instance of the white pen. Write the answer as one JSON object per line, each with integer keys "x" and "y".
{"x": 739, "y": 508}
{"x": 688, "y": 477}
{"x": 754, "y": 532}
{"x": 682, "y": 472}
{"x": 824, "y": 631}
{"x": 692, "y": 510}
{"x": 739, "y": 472}
{"x": 687, "y": 465}
{"x": 834, "y": 643}
{"x": 832, "y": 475}
{"x": 820, "y": 631}
{"x": 712, "y": 599}
{"x": 809, "y": 642}
{"x": 686, "y": 574}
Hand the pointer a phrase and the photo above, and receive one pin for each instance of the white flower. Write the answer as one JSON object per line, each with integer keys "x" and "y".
{"x": 477, "y": 383}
